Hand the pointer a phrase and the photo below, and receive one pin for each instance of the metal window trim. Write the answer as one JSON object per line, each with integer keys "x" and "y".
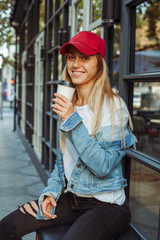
{"x": 140, "y": 232}
{"x": 95, "y": 24}
{"x": 125, "y": 45}
{"x": 74, "y": 16}
{"x": 86, "y": 15}
{"x": 53, "y": 49}
{"x": 154, "y": 76}
{"x": 55, "y": 151}
{"x": 57, "y": 13}
{"x": 144, "y": 159}
{"x": 134, "y": 3}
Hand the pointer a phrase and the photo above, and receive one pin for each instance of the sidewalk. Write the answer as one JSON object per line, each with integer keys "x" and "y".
{"x": 19, "y": 180}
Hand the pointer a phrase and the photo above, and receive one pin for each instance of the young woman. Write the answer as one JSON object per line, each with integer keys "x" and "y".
{"x": 86, "y": 187}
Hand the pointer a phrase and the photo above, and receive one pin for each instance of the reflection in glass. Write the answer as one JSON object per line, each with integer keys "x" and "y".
{"x": 96, "y": 8}
{"x": 26, "y": 34}
{"x": 59, "y": 66}
{"x": 52, "y": 35}
{"x": 144, "y": 198}
{"x": 61, "y": 3}
{"x": 146, "y": 117}
{"x": 51, "y": 73}
{"x": 79, "y": 16}
{"x": 116, "y": 57}
{"x": 61, "y": 21}
{"x": 97, "y": 30}
{"x": 53, "y": 7}
{"x": 41, "y": 86}
{"x": 42, "y": 15}
{"x": 147, "y": 40}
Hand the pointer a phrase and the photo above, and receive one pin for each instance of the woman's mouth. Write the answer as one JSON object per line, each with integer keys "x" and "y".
{"x": 77, "y": 73}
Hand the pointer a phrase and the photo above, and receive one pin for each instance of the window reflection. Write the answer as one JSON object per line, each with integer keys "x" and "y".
{"x": 97, "y": 30}
{"x": 147, "y": 41}
{"x": 51, "y": 71}
{"x": 79, "y": 16}
{"x": 53, "y": 7}
{"x": 61, "y": 3}
{"x": 116, "y": 58}
{"x": 59, "y": 66}
{"x": 41, "y": 15}
{"x": 146, "y": 117}
{"x": 96, "y": 7}
{"x": 52, "y": 35}
{"x": 144, "y": 198}
{"x": 61, "y": 21}
{"x": 26, "y": 34}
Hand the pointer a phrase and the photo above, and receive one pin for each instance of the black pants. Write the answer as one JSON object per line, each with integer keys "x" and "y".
{"x": 90, "y": 219}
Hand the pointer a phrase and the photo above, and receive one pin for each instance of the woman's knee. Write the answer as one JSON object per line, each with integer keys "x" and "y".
{"x": 30, "y": 207}
{"x": 14, "y": 225}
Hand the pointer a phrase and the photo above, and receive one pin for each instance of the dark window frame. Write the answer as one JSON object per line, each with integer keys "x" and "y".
{"x": 127, "y": 80}
{"x": 50, "y": 119}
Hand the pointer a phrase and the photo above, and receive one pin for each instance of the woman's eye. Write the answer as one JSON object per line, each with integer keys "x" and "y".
{"x": 85, "y": 58}
{"x": 70, "y": 57}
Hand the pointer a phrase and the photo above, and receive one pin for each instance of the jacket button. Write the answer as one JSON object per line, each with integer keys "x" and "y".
{"x": 79, "y": 165}
{"x": 71, "y": 186}
{"x": 103, "y": 178}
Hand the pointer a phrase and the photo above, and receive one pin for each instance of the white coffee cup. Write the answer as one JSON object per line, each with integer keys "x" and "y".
{"x": 66, "y": 88}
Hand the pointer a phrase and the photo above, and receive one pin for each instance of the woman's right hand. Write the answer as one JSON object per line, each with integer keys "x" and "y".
{"x": 46, "y": 207}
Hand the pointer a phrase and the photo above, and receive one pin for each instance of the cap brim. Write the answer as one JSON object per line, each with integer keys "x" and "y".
{"x": 81, "y": 47}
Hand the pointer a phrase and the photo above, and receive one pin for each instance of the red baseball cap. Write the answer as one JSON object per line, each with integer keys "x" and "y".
{"x": 87, "y": 43}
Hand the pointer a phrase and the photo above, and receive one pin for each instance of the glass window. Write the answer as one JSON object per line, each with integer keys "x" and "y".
{"x": 146, "y": 116}
{"x": 79, "y": 16}
{"x": 61, "y": 3}
{"x": 116, "y": 57}
{"x": 53, "y": 7}
{"x": 96, "y": 10}
{"x": 97, "y": 30}
{"x": 42, "y": 15}
{"x": 59, "y": 66}
{"x": 61, "y": 21}
{"x": 26, "y": 34}
{"x": 51, "y": 73}
{"x": 147, "y": 37}
{"x": 144, "y": 198}
{"x": 52, "y": 35}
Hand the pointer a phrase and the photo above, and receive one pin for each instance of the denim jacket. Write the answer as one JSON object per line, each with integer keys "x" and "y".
{"x": 99, "y": 166}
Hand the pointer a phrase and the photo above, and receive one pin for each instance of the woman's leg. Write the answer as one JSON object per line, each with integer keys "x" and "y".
{"x": 103, "y": 222}
{"x": 23, "y": 220}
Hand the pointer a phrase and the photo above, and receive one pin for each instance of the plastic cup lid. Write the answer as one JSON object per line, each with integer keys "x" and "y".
{"x": 66, "y": 83}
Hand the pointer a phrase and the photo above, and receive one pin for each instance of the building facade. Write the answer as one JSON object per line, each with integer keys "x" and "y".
{"x": 131, "y": 31}
{"x": 8, "y": 74}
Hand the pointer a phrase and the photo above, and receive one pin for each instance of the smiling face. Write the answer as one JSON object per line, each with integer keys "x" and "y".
{"x": 81, "y": 68}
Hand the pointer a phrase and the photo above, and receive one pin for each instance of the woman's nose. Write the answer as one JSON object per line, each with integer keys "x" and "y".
{"x": 76, "y": 62}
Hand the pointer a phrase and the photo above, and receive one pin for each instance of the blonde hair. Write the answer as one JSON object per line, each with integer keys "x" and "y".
{"x": 99, "y": 91}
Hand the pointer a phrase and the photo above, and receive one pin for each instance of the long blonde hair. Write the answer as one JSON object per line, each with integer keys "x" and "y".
{"x": 100, "y": 89}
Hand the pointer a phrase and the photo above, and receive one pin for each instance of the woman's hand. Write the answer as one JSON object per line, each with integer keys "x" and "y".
{"x": 63, "y": 107}
{"x": 46, "y": 207}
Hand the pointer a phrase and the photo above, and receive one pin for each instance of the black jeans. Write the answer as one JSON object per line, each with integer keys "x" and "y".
{"x": 90, "y": 219}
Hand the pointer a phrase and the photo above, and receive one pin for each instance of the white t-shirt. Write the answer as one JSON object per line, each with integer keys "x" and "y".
{"x": 71, "y": 156}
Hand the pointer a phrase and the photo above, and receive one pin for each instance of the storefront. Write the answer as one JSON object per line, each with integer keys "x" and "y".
{"x": 131, "y": 31}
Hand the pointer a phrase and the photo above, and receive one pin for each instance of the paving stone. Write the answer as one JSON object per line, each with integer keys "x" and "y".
{"x": 19, "y": 180}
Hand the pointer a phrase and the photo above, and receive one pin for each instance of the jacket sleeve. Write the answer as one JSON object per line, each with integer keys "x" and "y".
{"x": 96, "y": 158}
{"x": 53, "y": 189}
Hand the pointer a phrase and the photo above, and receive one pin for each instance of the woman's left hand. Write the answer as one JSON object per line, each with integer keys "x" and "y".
{"x": 63, "y": 107}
